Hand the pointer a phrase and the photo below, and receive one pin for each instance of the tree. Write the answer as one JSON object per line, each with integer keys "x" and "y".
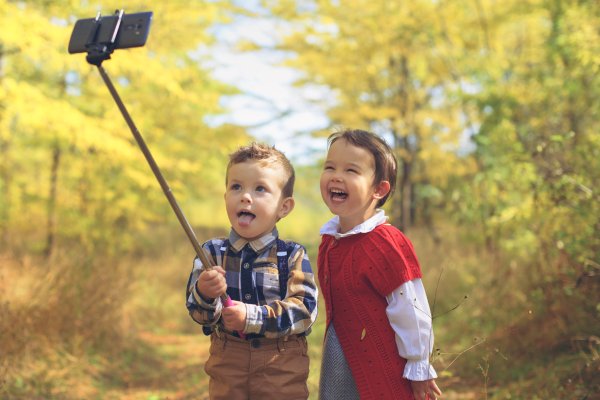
{"x": 68, "y": 157}
{"x": 394, "y": 80}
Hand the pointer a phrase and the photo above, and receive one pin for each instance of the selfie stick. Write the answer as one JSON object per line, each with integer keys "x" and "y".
{"x": 97, "y": 53}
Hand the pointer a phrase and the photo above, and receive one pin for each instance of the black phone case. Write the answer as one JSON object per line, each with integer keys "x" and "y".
{"x": 133, "y": 31}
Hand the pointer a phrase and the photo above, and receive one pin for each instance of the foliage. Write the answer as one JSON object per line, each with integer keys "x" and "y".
{"x": 68, "y": 159}
{"x": 534, "y": 197}
{"x": 492, "y": 108}
{"x": 400, "y": 81}
{"x": 520, "y": 80}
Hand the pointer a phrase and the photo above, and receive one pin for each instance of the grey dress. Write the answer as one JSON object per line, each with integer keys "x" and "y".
{"x": 336, "y": 382}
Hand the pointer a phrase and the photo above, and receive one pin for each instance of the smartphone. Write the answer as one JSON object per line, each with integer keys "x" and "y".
{"x": 133, "y": 31}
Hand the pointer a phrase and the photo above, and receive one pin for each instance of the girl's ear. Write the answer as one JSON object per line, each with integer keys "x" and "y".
{"x": 286, "y": 207}
{"x": 381, "y": 190}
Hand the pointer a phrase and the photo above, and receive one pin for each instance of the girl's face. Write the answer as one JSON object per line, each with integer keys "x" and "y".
{"x": 254, "y": 198}
{"x": 347, "y": 184}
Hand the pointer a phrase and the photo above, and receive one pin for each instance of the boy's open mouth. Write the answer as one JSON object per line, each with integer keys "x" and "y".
{"x": 337, "y": 194}
{"x": 245, "y": 217}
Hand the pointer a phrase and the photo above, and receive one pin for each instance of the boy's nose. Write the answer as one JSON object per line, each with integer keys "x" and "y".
{"x": 246, "y": 198}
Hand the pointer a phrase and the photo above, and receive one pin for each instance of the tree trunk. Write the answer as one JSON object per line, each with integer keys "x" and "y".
{"x": 51, "y": 213}
{"x": 5, "y": 193}
{"x": 4, "y": 171}
{"x": 405, "y": 194}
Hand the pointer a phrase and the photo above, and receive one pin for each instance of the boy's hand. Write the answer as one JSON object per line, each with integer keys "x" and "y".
{"x": 211, "y": 283}
{"x": 234, "y": 317}
{"x": 425, "y": 390}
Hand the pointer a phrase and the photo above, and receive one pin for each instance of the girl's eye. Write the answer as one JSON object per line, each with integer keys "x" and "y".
{"x": 352, "y": 170}
{"x": 235, "y": 186}
{"x": 328, "y": 168}
{"x": 261, "y": 189}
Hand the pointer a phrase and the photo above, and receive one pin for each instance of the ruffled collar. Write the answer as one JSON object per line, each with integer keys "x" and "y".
{"x": 332, "y": 226}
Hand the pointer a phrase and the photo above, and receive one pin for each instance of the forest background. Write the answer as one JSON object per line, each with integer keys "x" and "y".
{"x": 491, "y": 106}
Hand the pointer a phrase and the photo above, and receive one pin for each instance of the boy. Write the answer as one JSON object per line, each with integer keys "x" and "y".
{"x": 258, "y": 346}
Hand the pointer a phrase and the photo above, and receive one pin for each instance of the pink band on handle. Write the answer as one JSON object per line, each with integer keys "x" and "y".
{"x": 227, "y": 302}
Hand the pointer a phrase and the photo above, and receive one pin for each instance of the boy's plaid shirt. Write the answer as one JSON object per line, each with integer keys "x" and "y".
{"x": 253, "y": 277}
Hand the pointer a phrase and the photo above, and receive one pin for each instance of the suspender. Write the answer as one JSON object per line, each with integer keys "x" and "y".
{"x": 283, "y": 255}
{"x": 282, "y": 266}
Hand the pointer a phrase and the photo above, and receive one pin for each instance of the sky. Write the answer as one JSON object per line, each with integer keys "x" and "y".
{"x": 268, "y": 93}
{"x": 278, "y": 113}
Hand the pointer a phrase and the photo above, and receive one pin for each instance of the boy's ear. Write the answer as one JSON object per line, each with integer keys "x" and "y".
{"x": 286, "y": 207}
{"x": 381, "y": 190}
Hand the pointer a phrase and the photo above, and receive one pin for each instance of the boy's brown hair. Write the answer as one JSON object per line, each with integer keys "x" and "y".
{"x": 386, "y": 166}
{"x": 270, "y": 156}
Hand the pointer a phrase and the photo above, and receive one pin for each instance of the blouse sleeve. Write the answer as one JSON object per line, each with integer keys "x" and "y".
{"x": 410, "y": 317}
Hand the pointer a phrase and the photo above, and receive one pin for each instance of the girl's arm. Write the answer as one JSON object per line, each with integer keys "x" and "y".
{"x": 410, "y": 317}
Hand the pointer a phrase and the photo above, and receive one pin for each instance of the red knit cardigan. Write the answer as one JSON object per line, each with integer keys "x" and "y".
{"x": 355, "y": 274}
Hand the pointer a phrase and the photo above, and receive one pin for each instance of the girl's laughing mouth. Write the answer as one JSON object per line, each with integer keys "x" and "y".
{"x": 337, "y": 195}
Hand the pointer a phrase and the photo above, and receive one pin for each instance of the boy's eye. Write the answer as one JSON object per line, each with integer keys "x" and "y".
{"x": 327, "y": 168}
{"x": 235, "y": 186}
{"x": 352, "y": 170}
{"x": 261, "y": 189}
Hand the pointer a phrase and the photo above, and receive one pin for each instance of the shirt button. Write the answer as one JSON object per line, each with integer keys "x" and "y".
{"x": 247, "y": 296}
{"x": 246, "y": 266}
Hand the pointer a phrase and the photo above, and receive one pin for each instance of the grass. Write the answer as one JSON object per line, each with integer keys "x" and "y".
{"x": 119, "y": 330}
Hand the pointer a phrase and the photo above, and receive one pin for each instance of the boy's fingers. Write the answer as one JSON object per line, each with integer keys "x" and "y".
{"x": 212, "y": 283}
{"x": 213, "y": 274}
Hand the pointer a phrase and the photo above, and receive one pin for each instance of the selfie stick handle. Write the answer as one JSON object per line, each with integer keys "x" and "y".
{"x": 163, "y": 183}
{"x": 99, "y": 52}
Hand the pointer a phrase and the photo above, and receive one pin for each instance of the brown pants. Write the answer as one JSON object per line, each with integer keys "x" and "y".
{"x": 257, "y": 369}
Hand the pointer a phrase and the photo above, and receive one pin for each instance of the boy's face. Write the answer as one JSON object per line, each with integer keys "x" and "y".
{"x": 347, "y": 184}
{"x": 254, "y": 199}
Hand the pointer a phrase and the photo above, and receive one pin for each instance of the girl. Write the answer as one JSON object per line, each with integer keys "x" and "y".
{"x": 379, "y": 333}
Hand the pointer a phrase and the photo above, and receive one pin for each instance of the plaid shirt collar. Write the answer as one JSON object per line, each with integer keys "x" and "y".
{"x": 258, "y": 245}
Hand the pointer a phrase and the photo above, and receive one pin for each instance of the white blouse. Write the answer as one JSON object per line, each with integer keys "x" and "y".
{"x": 408, "y": 310}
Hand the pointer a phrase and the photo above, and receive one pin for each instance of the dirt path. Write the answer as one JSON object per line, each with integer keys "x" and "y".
{"x": 176, "y": 372}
